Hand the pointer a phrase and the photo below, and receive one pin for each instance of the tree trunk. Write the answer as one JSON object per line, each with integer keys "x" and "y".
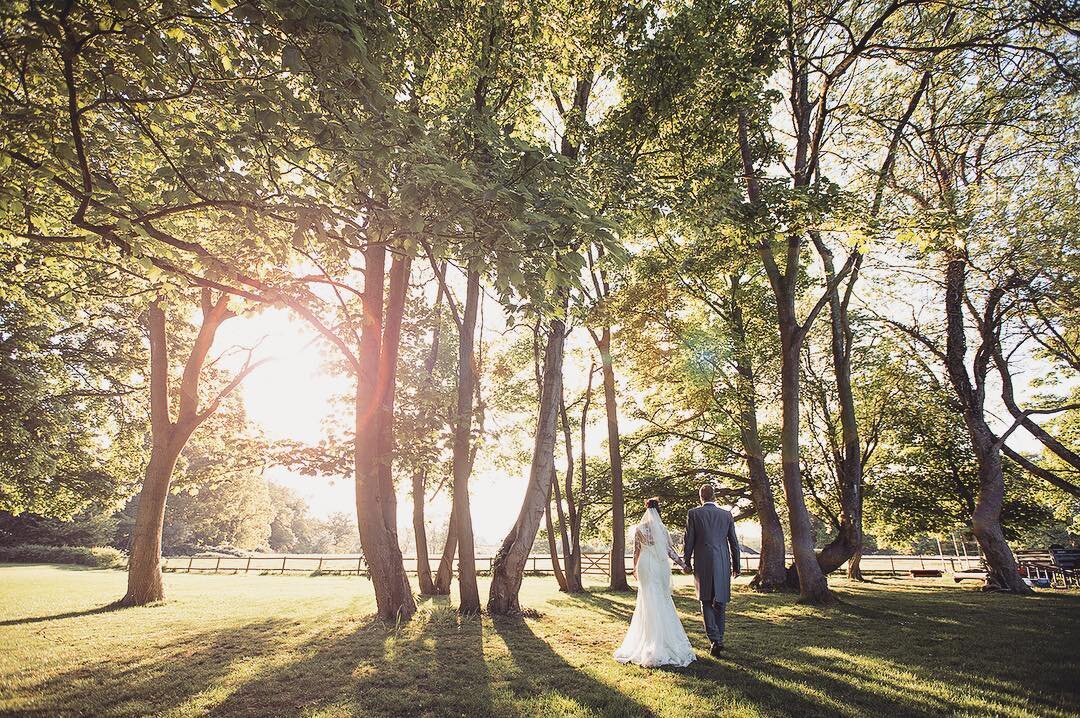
{"x": 387, "y": 383}
{"x": 849, "y": 472}
{"x": 553, "y": 551}
{"x": 469, "y": 594}
{"x": 445, "y": 573}
{"x": 510, "y": 560}
{"x": 423, "y": 565}
{"x": 1002, "y": 573}
{"x": 144, "y": 583}
{"x": 813, "y": 588}
{"x": 423, "y": 562}
{"x": 617, "y": 580}
{"x": 375, "y": 505}
{"x": 568, "y": 523}
{"x": 771, "y": 573}
{"x": 572, "y": 577}
{"x": 854, "y": 567}
{"x": 169, "y": 439}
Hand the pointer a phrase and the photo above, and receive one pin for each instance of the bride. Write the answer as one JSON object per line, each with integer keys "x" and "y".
{"x": 656, "y": 636}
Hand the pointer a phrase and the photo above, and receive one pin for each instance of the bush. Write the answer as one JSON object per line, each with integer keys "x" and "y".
{"x": 193, "y": 550}
{"x": 83, "y": 530}
{"x": 97, "y": 557}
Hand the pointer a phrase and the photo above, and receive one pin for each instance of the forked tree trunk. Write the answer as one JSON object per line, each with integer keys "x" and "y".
{"x": 849, "y": 470}
{"x": 423, "y": 562}
{"x": 1002, "y": 573}
{"x": 168, "y": 438}
{"x": 376, "y": 504}
{"x": 462, "y": 457}
{"x": 772, "y": 572}
{"x": 813, "y": 587}
{"x": 423, "y": 565}
{"x": 430, "y": 585}
{"x": 569, "y": 522}
{"x": 572, "y": 575}
{"x": 509, "y": 566}
{"x": 617, "y": 579}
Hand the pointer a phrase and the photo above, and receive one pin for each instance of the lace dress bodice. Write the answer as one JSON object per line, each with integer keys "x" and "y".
{"x": 643, "y": 538}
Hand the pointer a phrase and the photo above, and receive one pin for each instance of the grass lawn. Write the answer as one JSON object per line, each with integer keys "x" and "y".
{"x": 273, "y": 645}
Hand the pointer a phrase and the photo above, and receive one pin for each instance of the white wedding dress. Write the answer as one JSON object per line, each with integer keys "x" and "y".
{"x": 656, "y": 636}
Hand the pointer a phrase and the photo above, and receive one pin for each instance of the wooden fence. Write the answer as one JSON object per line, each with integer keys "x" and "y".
{"x": 593, "y": 564}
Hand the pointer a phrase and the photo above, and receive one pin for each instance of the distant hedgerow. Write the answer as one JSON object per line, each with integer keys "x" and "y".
{"x": 97, "y": 557}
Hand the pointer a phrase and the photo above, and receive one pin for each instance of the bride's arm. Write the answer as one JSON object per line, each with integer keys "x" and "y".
{"x": 637, "y": 550}
{"x": 674, "y": 556}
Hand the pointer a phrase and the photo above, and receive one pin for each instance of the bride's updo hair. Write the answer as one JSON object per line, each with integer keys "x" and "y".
{"x": 653, "y": 503}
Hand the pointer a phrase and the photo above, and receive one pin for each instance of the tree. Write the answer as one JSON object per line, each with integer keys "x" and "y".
{"x": 425, "y": 390}
{"x": 219, "y": 496}
{"x": 79, "y": 530}
{"x": 169, "y": 435}
{"x": 926, "y": 477}
{"x": 509, "y": 565}
{"x": 69, "y": 412}
{"x": 715, "y": 345}
{"x": 969, "y": 147}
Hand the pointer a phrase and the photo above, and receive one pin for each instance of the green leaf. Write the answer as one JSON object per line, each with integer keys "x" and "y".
{"x": 270, "y": 118}
{"x": 291, "y": 58}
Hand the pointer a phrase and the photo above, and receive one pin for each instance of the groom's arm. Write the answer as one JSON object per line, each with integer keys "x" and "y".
{"x": 688, "y": 542}
{"x": 733, "y": 544}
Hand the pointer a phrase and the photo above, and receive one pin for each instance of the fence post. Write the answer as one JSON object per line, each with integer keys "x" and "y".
{"x": 283, "y": 559}
{"x": 217, "y": 564}
{"x": 247, "y": 566}
{"x": 358, "y": 560}
{"x": 319, "y": 569}
{"x": 189, "y": 560}
{"x": 892, "y": 566}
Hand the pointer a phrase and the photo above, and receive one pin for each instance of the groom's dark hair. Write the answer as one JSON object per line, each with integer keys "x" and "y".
{"x": 707, "y": 493}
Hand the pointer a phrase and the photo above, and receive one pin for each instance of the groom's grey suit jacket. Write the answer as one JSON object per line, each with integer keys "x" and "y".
{"x": 711, "y": 547}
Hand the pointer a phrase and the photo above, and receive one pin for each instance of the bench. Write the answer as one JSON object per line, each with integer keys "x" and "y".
{"x": 925, "y": 573}
{"x": 969, "y": 576}
{"x": 1058, "y": 566}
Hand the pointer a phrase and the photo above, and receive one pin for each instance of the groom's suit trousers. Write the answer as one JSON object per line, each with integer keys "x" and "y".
{"x": 713, "y": 613}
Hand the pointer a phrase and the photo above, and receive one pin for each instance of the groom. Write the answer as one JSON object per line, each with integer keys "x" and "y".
{"x": 711, "y": 551}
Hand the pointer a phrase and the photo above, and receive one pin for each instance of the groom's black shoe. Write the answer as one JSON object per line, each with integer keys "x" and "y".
{"x": 717, "y": 648}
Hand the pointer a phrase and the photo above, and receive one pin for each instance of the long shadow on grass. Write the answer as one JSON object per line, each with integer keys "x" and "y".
{"x": 901, "y": 652}
{"x": 58, "y": 616}
{"x": 539, "y": 670}
{"x": 905, "y": 651}
{"x": 600, "y": 601}
{"x": 433, "y": 665}
{"x": 150, "y": 679}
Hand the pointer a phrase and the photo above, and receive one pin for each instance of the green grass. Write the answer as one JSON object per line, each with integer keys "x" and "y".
{"x": 269, "y": 645}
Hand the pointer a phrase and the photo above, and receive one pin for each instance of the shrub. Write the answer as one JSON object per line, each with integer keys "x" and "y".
{"x": 97, "y": 557}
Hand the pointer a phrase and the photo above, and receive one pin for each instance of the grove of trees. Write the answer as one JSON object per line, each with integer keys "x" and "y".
{"x": 821, "y": 254}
